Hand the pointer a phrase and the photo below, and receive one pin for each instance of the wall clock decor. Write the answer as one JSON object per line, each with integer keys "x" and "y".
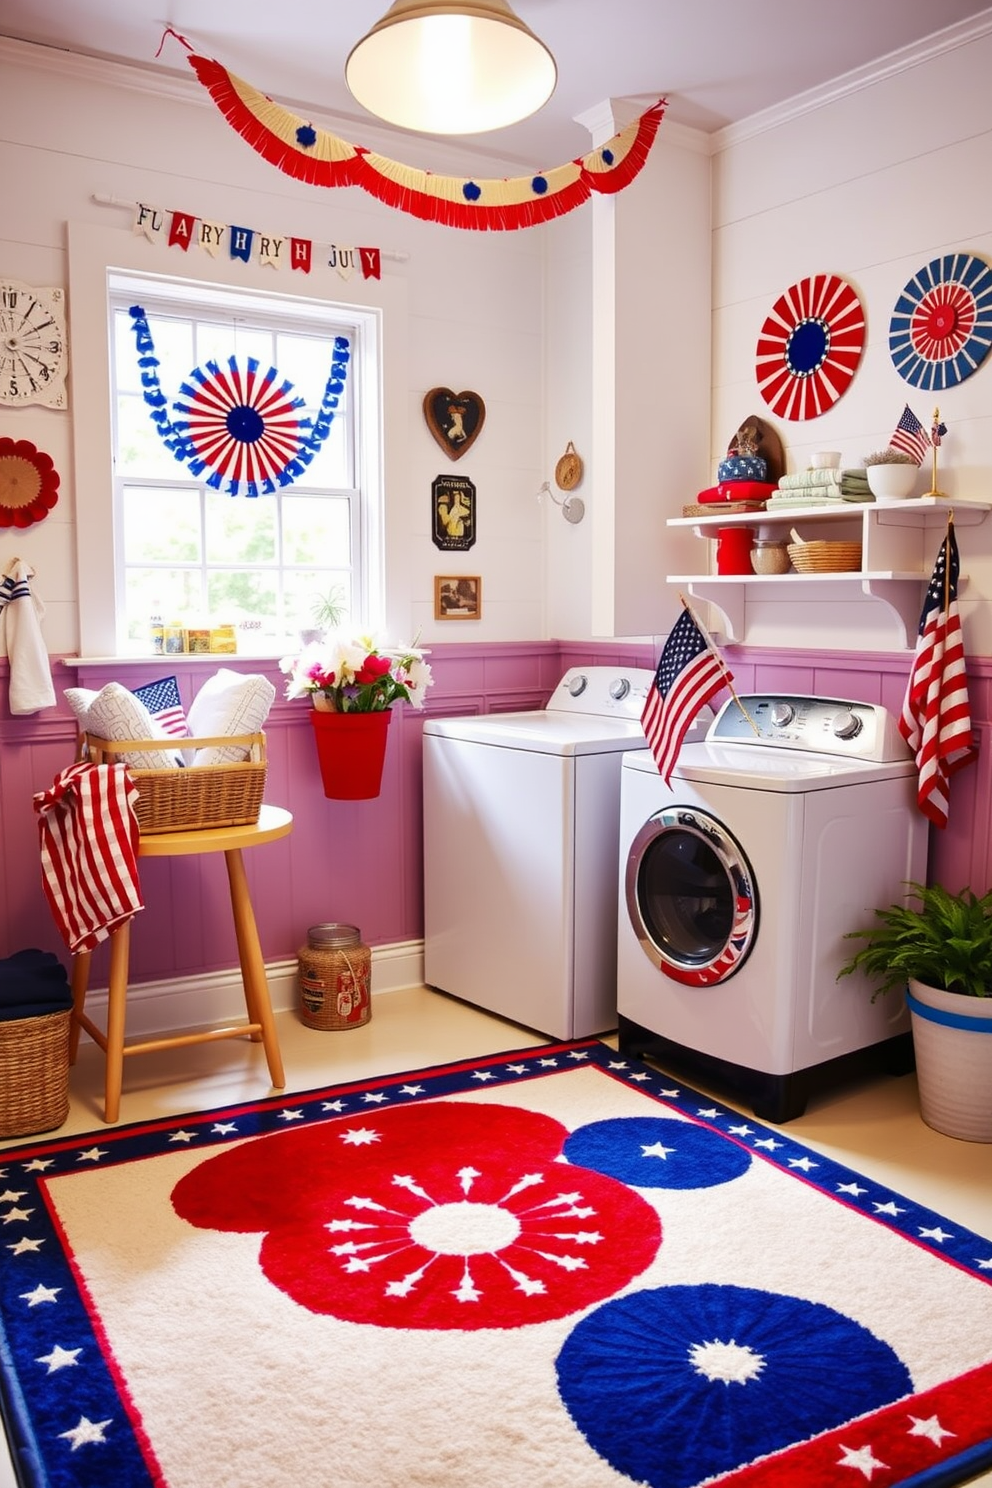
{"x": 454, "y": 513}
{"x": 810, "y": 346}
{"x": 454, "y": 419}
{"x": 29, "y": 483}
{"x": 941, "y": 327}
{"x": 32, "y": 345}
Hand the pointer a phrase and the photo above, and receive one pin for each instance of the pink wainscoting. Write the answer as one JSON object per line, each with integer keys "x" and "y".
{"x": 361, "y": 861}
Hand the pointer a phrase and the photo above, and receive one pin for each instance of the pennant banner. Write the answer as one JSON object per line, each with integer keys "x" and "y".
{"x": 183, "y": 229}
{"x": 312, "y": 155}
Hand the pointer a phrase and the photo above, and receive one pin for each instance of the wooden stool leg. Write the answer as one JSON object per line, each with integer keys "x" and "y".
{"x": 80, "y": 982}
{"x": 120, "y": 941}
{"x": 256, "y": 987}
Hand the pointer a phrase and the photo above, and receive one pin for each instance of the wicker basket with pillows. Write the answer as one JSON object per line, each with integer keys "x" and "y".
{"x": 205, "y": 770}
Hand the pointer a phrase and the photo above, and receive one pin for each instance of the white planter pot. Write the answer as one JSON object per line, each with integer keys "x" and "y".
{"x": 952, "y": 1037}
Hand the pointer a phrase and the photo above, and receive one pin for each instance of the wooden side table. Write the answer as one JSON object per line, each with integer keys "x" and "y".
{"x": 273, "y": 822}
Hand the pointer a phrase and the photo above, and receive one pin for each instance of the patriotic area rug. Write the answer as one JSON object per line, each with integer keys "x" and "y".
{"x": 551, "y": 1267}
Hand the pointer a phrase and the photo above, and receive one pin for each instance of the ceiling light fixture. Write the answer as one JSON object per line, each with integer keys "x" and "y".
{"x": 451, "y": 68}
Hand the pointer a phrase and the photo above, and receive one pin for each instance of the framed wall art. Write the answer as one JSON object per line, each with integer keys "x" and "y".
{"x": 457, "y": 597}
{"x": 454, "y": 419}
{"x": 453, "y": 513}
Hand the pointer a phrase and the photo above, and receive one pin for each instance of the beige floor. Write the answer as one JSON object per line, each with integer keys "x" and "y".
{"x": 874, "y": 1127}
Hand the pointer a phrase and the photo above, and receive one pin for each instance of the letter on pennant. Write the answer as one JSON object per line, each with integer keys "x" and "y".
{"x": 181, "y": 231}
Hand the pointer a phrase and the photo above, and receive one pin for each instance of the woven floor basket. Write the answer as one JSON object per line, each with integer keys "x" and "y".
{"x": 34, "y": 1074}
{"x": 825, "y": 557}
{"x": 199, "y": 796}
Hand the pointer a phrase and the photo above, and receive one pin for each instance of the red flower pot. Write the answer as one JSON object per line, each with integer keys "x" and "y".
{"x": 351, "y": 749}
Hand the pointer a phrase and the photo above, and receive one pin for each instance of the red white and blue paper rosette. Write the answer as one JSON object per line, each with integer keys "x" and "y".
{"x": 941, "y": 327}
{"x": 810, "y": 346}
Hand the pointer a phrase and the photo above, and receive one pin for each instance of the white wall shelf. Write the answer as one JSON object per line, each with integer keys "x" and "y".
{"x": 897, "y": 551}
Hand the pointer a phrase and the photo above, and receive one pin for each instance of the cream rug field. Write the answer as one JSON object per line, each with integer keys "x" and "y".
{"x": 554, "y": 1268}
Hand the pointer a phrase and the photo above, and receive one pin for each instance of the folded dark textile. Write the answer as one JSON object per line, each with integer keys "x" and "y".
{"x": 35, "y": 979}
{"x": 10, "y": 1012}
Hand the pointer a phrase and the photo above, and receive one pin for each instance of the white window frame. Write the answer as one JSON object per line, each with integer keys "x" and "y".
{"x": 97, "y": 252}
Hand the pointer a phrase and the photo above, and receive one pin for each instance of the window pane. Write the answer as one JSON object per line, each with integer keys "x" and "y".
{"x": 317, "y": 529}
{"x": 161, "y": 525}
{"x": 172, "y": 594}
{"x": 307, "y": 596}
{"x": 241, "y": 529}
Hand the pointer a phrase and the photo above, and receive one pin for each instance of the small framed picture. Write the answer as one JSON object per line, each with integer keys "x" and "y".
{"x": 457, "y": 597}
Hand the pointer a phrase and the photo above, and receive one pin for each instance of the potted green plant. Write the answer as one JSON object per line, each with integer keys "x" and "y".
{"x": 940, "y": 952}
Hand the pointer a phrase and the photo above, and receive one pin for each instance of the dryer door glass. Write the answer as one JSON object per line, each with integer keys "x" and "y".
{"x": 691, "y": 896}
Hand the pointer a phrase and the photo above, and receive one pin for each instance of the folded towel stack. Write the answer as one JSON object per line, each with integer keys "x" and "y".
{"x": 821, "y": 488}
{"x": 32, "y": 983}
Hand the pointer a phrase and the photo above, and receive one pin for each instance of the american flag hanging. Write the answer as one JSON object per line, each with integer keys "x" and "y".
{"x": 911, "y": 437}
{"x": 163, "y": 702}
{"x": 689, "y": 674}
{"x": 936, "y": 717}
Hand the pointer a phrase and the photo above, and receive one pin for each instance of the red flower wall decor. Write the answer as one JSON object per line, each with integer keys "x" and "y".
{"x": 29, "y": 483}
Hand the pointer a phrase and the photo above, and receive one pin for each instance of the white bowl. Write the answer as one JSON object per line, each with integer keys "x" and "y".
{"x": 825, "y": 459}
{"x": 892, "y": 482}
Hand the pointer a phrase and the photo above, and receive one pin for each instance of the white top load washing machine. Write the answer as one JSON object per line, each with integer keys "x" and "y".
{"x": 738, "y": 884}
{"x": 521, "y": 831}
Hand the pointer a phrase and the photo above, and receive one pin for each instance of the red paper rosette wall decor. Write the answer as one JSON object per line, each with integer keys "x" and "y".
{"x": 810, "y": 346}
{"x": 29, "y": 483}
{"x": 941, "y": 327}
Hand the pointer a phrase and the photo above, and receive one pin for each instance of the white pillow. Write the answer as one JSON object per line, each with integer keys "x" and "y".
{"x": 114, "y": 713}
{"x": 229, "y": 703}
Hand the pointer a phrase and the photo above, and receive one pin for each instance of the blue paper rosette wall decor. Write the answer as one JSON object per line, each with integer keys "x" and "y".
{"x": 809, "y": 346}
{"x": 241, "y": 423}
{"x": 941, "y": 327}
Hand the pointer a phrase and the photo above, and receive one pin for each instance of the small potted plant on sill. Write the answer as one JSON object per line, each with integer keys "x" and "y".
{"x": 941, "y": 954}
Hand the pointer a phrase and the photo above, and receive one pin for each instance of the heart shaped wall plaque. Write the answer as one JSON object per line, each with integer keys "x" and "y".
{"x": 454, "y": 419}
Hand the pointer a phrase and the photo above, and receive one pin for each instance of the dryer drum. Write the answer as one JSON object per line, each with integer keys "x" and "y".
{"x": 691, "y": 897}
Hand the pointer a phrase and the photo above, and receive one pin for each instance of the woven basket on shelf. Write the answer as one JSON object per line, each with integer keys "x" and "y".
{"x": 34, "y": 1073}
{"x": 197, "y": 796}
{"x": 825, "y": 557}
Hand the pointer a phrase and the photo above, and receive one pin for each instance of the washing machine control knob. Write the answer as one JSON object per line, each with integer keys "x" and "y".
{"x": 619, "y": 688}
{"x": 782, "y": 714}
{"x": 577, "y": 685}
{"x": 846, "y": 725}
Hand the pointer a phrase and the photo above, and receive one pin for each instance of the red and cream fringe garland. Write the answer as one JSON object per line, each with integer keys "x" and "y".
{"x": 295, "y": 147}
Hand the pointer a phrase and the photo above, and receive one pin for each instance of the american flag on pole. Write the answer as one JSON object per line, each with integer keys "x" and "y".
{"x": 911, "y": 437}
{"x": 936, "y": 717}
{"x": 163, "y": 702}
{"x": 688, "y": 675}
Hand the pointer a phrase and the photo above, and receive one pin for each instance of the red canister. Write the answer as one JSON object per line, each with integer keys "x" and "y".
{"x": 733, "y": 550}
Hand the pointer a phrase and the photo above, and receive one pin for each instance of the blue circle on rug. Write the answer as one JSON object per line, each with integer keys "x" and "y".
{"x": 679, "y": 1384}
{"x": 657, "y": 1152}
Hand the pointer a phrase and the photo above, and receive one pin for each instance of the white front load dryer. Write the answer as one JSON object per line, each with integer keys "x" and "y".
{"x": 738, "y": 882}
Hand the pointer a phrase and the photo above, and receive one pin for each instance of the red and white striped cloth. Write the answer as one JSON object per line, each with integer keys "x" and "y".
{"x": 89, "y": 851}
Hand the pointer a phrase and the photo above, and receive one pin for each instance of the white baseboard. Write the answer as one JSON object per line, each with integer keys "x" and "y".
{"x": 217, "y": 998}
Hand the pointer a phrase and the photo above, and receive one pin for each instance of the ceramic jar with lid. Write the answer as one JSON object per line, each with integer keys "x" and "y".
{"x": 770, "y": 552}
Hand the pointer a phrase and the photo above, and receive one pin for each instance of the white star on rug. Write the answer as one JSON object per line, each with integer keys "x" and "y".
{"x": 373, "y": 1098}
{"x": 741, "y": 1131}
{"x": 335, "y": 1105}
{"x": 579, "y": 1054}
{"x": 517, "y": 1069}
{"x": 59, "y": 1358}
{"x": 483, "y": 1075}
{"x": 12, "y": 1196}
{"x": 710, "y": 1112}
{"x": 40, "y": 1294}
{"x": 770, "y": 1143}
{"x": 92, "y": 1154}
{"x": 360, "y": 1136}
{"x": 411, "y": 1090}
{"x": 38, "y": 1164}
{"x": 985, "y": 1265}
{"x": 288, "y": 1115}
{"x": 854, "y": 1189}
{"x": 182, "y": 1136}
{"x": 863, "y": 1459}
{"x": 86, "y": 1431}
{"x": 25, "y": 1245}
{"x": 806, "y": 1163}
{"x": 15, "y": 1214}
{"x": 936, "y": 1234}
{"x": 223, "y": 1128}
{"x": 930, "y": 1428}
{"x": 890, "y": 1208}
{"x": 656, "y": 1149}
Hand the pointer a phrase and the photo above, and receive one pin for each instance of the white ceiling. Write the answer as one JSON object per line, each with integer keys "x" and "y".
{"x": 717, "y": 61}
